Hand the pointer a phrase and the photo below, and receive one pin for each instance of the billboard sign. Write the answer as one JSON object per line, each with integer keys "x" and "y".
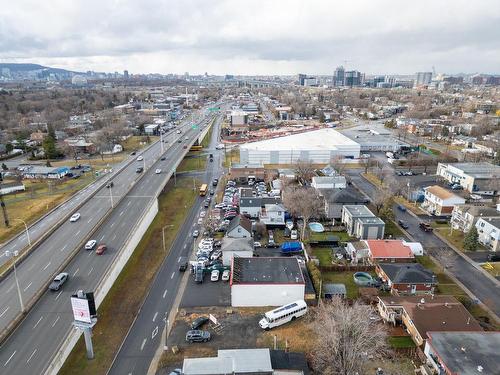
{"x": 81, "y": 311}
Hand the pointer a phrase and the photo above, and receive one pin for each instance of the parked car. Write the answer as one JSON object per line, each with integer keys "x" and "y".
{"x": 75, "y": 217}
{"x": 402, "y": 224}
{"x": 457, "y": 187}
{"x": 493, "y": 257}
{"x": 90, "y": 244}
{"x": 426, "y": 227}
{"x": 202, "y": 214}
{"x": 225, "y": 275}
{"x": 196, "y": 233}
{"x": 214, "y": 276}
{"x": 200, "y": 221}
{"x": 158, "y": 171}
{"x": 198, "y": 322}
{"x": 257, "y": 244}
{"x": 197, "y": 336}
{"x": 58, "y": 281}
{"x": 293, "y": 234}
{"x": 401, "y": 208}
{"x": 101, "y": 249}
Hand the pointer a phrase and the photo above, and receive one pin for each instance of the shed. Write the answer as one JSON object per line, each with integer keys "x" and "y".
{"x": 334, "y": 290}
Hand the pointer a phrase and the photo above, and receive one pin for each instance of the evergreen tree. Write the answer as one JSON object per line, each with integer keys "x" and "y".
{"x": 471, "y": 239}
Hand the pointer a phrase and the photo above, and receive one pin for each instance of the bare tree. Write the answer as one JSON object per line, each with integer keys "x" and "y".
{"x": 304, "y": 170}
{"x": 383, "y": 172}
{"x": 338, "y": 164}
{"x": 367, "y": 163}
{"x": 380, "y": 198}
{"x": 347, "y": 337}
{"x": 303, "y": 202}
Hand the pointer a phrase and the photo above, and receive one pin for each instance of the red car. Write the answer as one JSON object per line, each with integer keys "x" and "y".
{"x": 101, "y": 249}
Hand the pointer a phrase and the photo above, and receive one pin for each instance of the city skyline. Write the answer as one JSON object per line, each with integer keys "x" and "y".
{"x": 385, "y": 37}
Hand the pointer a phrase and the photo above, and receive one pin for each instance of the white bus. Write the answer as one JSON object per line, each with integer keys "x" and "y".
{"x": 283, "y": 314}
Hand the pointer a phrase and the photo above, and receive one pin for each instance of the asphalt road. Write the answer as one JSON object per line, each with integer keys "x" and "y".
{"x": 481, "y": 286}
{"x": 32, "y": 345}
{"x": 144, "y": 337}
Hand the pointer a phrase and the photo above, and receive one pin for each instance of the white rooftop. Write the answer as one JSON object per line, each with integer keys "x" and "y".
{"x": 323, "y": 139}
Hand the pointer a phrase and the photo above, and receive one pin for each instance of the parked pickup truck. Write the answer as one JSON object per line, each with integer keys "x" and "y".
{"x": 426, "y": 227}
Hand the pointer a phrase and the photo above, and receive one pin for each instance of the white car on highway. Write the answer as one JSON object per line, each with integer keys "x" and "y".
{"x": 140, "y": 158}
{"x": 158, "y": 171}
{"x": 90, "y": 244}
{"x": 75, "y": 217}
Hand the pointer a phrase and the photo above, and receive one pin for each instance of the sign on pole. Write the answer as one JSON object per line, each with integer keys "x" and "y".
{"x": 81, "y": 311}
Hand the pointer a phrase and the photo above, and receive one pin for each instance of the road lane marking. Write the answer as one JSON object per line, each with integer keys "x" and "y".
{"x": 90, "y": 253}
{"x": 55, "y": 321}
{"x": 128, "y": 204}
{"x": 25, "y": 289}
{"x": 31, "y": 356}
{"x": 112, "y": 224}
{"x": 39, "y": 320}
{"x": 77, "y": 233}
{"x": 165, "y": 293}
{"x": 90, "y": 220}
{"x": 185, "y": 245}
{"x": 31, "y": 267}
{"x": 47, "y": 266}
{"x": 58, "y": 294}
{"x": 101, "y": 238}
{"x": 154, "y": 333}
{"x": 88, "y": 274}
{"x": 154, "y": 317}
{"x": 114, "y": 237}
{"x": 10, "y": 288}
{"x": 179, "y": 260}
{"x": 173, "y": 273}
{"x": 121, "y": 213}
{"x": 143, "y": 343}
{"x": 78, "y": 269}
{"x": 64, "y": 247}
{"x": 6, "y": 363}
{"x": 3, "y": 312}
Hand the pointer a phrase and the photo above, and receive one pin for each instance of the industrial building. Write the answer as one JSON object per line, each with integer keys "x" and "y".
{"x": 374, "y": 137}
{"x": 261, "y": 281}
{"x": 317, "y": 146}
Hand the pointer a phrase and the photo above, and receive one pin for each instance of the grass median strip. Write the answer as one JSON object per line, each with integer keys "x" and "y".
{"x": 193, "y": 163}
{"x": 123, "y": 301}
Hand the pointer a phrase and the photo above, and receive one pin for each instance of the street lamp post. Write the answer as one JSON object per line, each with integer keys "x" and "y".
{"x": 111, "y": 195}
{"x": 27, "y": 230}
{"x": 15, "y": 254}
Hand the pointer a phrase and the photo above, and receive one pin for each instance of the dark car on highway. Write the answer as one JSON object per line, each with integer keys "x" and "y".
{"x": 401, "y": 208}
{"x": 402, "y": 224}
{"x": 183, "y": 264}
{"x": 139, "y": 170}
{"x": 198, "y": 322}
{"x": 58, "y": 281}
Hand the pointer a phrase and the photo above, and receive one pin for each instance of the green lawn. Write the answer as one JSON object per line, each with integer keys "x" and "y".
{"x": 397, "y": 342}
{"x": 324, "y": 255}
{"x": 322, "y": 236}
{"x": 208, "y": 137}
{"x": 392, "y": 229}
{"x": 122, "y": 303}
{"x": 197, "y": 163}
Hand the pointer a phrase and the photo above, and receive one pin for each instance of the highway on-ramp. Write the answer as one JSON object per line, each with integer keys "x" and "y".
{"x": 34, "y": 342}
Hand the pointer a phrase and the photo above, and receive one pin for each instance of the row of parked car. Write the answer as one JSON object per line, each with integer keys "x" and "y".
{"x": 208, "y": 259}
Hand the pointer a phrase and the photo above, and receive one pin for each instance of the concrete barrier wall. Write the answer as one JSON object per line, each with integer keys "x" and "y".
{"x": 106, "y": 283}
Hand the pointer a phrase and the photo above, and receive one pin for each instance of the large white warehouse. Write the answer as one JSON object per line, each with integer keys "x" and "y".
{"x": 317, "y": 146}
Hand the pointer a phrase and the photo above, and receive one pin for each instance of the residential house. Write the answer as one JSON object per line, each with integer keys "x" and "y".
{"x": 152, "y": 129}
{"x": 336, "y": 199}
{"x": 248, "y": 361}
{"x": 419, "y": 315}
{"x": 241, "y": 173}
{"x": 479, "y": 178}
{"x": 272, "y": 214}
{"x": 464, "y": 216}
{"x": 489, "y": 232}
{"x": 385, "y": 251}
{"x": 439, "y": 201}
{"x": 360, "y": 222}
{"x": 325, "y": 182}
{"x": 38, "y": 137}
{"x": 407, "y": 278}
{"x": 463, "y": 353}
{"x": 236, "y": 247}
{"x": 80, "y": 145}
{"x": 239, "y": 227}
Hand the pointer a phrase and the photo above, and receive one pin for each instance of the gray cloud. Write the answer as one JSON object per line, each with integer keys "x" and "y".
{"x": 259, "y": 36}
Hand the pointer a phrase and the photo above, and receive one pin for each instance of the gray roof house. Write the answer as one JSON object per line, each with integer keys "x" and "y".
{"x": 252, "y": 206}
{"x": 239, "y": 227}
{"x": 407, "y": 278}
{"x": 335, "y": 199}
{"x": 360, "y": 222}
{"x": 231, "y": 247}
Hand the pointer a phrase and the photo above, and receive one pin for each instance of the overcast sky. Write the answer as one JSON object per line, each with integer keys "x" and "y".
{"x": 253, "y": 36}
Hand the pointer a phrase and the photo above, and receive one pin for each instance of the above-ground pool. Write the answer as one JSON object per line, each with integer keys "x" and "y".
{"x": 316, "y": 227}
{"x": 363, "y": 279}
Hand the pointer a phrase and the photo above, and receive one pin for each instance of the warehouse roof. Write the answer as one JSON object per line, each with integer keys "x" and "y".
{"x": 263, "y": 270}
{"x": 478, "y": 170}
{"x": 321, "y": 140}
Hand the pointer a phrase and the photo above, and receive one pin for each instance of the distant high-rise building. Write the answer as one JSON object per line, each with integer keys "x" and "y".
{"x": 353, "y": 78}
{"x": 423, "y": 78}
{"x": 125, "y": 74}
{"x": 301, "y": 78}
{"x": 339, "y": 76}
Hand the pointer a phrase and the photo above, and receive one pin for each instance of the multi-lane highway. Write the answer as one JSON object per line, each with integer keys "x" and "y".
{"x": 31, "y": 346}
{"x": 144, "y": 337}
